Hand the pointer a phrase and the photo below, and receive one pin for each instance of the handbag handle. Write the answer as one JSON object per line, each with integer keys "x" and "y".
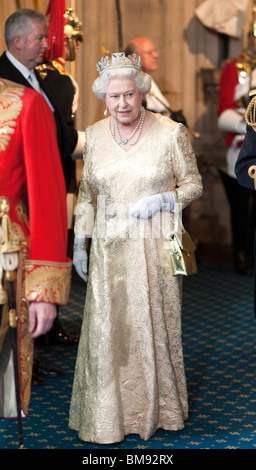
{"x": 178, "y": 226}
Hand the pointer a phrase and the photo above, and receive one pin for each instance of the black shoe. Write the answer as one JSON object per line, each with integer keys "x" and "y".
{"x": 42, "y": 370}
{"x": 36, "y": 380}
{"x": 58, "y": 336}
{"x": 243, "y": 264}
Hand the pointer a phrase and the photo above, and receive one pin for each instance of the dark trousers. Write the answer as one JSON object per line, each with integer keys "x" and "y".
{"x": 242, "y": 203}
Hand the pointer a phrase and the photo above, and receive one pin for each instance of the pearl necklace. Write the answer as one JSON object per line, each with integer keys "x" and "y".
{"x": 123, "y": 140}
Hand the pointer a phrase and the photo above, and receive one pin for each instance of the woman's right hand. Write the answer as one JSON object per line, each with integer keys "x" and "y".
{"x": 80, "y": 258}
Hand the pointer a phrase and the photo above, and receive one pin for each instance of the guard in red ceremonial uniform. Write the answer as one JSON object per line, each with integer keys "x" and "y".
{"x": 30, "y": 175}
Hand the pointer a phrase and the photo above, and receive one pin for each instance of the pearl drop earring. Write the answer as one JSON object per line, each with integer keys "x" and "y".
{"x": 106, "y": 111}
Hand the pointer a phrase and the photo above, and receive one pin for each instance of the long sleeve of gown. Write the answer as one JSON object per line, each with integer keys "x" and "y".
{"x": 188, "y": 179}
{"x": 86, "y": 207}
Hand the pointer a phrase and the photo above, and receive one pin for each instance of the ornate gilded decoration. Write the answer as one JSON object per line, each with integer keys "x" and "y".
{"x": 245, "y": 64}
{"x": 25, "y": 344}
{"x": 16, "y": 318}
{"x": 73, "y": 26}
{"x": 57, "y": 64}
{"x": 43, "y": 70}
{"x": 250, "y": 114}
{"x": 17, "y": 167}
{"x": 118, "y": 60}
{"x": 252, "y": 174}
{"x": 10, "y": 109}
{"x": 47, "y": 282}
{"x": 250, "y": 119}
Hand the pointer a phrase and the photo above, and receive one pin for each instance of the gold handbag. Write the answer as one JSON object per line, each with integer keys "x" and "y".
{"x": 182, "y": 253}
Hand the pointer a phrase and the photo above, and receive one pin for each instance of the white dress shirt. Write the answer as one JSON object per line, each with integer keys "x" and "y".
{"x": 27, "y": 75}
{"x": 153, "y": 103}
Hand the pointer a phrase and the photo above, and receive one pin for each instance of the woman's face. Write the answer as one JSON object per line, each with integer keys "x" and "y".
{"x": 123, "y": 99}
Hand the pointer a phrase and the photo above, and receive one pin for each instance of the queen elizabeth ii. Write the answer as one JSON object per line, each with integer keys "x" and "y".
{"x": 130, "y": 374}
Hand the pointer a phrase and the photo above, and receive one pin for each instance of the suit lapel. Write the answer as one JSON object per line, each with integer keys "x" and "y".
{"x": 8, "y": 71}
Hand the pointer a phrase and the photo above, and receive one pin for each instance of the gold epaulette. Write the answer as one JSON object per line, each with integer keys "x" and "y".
{"x": 245, "y": 63}
{"x": 43, "y": 69}
{"x": 59, "y": 65}
{"x": 250, "y": 114}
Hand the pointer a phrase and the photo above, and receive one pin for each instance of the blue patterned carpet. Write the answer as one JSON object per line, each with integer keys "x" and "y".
{"x": 219, "y": 335}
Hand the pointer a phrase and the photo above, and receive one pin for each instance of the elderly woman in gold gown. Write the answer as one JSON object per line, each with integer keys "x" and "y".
{"x": 130, "y": 375}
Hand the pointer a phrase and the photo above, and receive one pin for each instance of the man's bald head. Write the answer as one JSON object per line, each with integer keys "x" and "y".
{"x": 146, "y": 49}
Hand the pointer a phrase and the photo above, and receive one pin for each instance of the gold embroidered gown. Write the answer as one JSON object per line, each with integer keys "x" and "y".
{"x": 129, "y": 375}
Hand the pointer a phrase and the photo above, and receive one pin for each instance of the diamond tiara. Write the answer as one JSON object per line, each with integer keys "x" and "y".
{"x": 117, "y": 61}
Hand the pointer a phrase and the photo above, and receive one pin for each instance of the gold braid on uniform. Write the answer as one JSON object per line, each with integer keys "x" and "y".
{"x": 245, "y": 64}
{"x": 250, "y": 119}
{"x": 250, "y": 114}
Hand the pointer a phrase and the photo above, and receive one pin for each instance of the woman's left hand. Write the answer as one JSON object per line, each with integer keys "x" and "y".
{"x": 148, "y": 206}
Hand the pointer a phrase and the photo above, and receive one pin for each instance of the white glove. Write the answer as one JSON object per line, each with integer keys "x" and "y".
{"x": 148, "y": 206}
{"x": 232, "y": 121}
{"x": 80, "y": 257}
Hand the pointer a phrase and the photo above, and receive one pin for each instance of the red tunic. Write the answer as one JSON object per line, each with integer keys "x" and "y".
{"x": 31, "y": 174}
{"x": 228, "y": 83}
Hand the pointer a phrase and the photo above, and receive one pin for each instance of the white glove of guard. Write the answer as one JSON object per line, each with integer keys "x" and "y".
{"x": 232, "y": 121}
{"x": 148, "y": 206}
{"x": 80, "y": 257}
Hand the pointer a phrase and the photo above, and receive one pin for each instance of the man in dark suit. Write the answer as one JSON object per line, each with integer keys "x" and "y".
{"x": 26, "y": 33}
